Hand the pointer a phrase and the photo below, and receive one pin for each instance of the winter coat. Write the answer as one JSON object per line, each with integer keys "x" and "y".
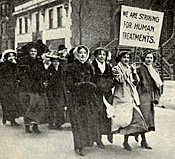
{"x": 149, "y": 94}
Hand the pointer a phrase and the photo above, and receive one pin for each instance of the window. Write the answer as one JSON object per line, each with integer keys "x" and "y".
{"x": 59, "y": 16}
{"x": 26, "y": 24}
{"x": 20, "y": 26}
{"x": 51, "y": 18}
{"x": 37, "y": 22}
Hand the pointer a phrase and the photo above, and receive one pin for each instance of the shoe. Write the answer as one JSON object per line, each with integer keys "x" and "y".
{"x": 127, "y": 146}
{"x": 80, "y": 152}
{"x": 136, "y": 137}
{"x": 100, "y": 145}
{"x": 28, "y": 129}
{"x": 15, "y": 123}
{"x": 35, "y": 129}
{"x": 4, "y": 121}
{"x": 110, "y": 138}
{"x": 145, "y": 145}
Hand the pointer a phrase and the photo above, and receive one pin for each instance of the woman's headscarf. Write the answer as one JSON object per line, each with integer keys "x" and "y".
{"x": 76, "y": 52}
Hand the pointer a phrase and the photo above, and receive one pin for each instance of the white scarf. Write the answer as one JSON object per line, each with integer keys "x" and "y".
{"x": 75, "y": 52}
{"x": 101, "y": 66}
{"x": 154, "y": 75}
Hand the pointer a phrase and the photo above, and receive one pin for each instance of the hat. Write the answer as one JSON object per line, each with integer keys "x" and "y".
{"x": 61, "y": 47}
{"x": 4, "y": 54}
{"x": 54, "y": 55}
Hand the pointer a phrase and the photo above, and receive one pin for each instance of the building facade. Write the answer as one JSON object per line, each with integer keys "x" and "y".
{"x": 7, "y": 28}
{"x": 41, "y": 19}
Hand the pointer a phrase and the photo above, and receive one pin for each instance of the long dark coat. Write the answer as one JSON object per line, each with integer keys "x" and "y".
{"x": 104, "y": 85}
{"x": 56, "y": 95}
{"x": 32, "y": 90}
{"x": 9, "y": 91}
{"x": 84, "y": 108}
{"x": 148, "y": 93}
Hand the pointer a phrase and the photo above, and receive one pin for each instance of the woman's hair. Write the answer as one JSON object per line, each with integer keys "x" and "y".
{"x": 82, "y": 47}
{"x": 7, "y": 55}
{"x": 145, "y": 54}
{"x": 120, "y": 53}
{"x": 98, "y": 50}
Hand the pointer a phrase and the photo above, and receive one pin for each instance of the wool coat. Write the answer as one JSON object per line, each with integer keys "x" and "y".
{"x": 9, "y": 92}
{"x": 104, "y": 82}
{"x": 149, "y": 94}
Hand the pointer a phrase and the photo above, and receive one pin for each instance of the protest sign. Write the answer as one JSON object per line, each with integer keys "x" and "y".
{"x": 140, "y": 27}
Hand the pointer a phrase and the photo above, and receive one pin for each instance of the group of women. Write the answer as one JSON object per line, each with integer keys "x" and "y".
{"x": 101, "y": 99}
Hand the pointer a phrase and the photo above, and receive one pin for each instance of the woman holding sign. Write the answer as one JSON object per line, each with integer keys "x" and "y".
{"x": 149, "y": 89}
{"x": 127, "y": 118}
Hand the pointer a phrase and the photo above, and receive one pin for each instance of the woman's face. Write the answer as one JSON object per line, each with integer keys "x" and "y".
{"x": 55, "y": 62}
{"x": 82, "y": 55}
{"x": 11, "y": 57}
{"x": 33, "y": 53}
{"x": 149, "y": 59}
{"x": 125, "y": 59}
{"x": 101, "y": 57}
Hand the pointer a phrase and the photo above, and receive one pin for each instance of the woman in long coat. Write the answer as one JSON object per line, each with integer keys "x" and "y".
{"x": 56, "y": 93}
{"x": 84, "y": 108}
{"x": 33, "y": 97}
{"x": 10, "y": 105}
{"x": 149, "y": 89}
{"x": 104, "y": 80}
{"x": 128, "y": 118}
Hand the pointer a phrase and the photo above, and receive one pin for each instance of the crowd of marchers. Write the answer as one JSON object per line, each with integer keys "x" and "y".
{"x": 99, "y": 98}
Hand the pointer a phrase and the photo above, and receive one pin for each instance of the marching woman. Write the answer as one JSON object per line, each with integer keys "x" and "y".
{"x": 10, "y": 106}
{"x": 149, "y": 89}
{"x": 103, "y": 79}
{"x": 84, "y": 108}
{"x": 127, "y": 119}
{"x": 33, "y": 83}
{"x": 56, "y": 93}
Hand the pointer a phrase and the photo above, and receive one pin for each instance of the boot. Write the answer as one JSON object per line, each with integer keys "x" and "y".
{"x": 28, "y": 129}
{"x": 110, "y": 137}
{"x": 125, "y": 144}
{"x": 79, "y": 152}
{"x": 4, "y": 120}
{"x": 144, "y": 143}
{"x": 14, "y": 123}
{"x": 35, "y": 129}
{"x": 100, "y": 144}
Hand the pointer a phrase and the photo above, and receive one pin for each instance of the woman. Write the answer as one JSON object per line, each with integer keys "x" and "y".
{"x": 84, "y": 109}
{"x": 32, "y": 89}
{"x": 128, "y": 119}
{"x": 56, "y": 93}
{"x": 103, "y": 79}
{"x": 149, "y": 89}
{"x": 9, "y": 97}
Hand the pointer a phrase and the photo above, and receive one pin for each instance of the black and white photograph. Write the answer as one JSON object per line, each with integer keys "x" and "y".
{"x": 90, "y": 79}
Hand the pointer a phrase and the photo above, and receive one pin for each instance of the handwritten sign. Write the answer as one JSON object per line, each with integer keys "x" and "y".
{"x": 140, "y": 27}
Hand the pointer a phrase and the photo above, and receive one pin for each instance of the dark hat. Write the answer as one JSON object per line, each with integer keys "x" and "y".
{"x": 61, "y": 47}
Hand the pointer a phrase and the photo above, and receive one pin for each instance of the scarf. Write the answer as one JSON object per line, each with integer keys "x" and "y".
{"x": 75, "y": 52}
{"x": 101, "y": 66}
{"x": 154, "y": 75}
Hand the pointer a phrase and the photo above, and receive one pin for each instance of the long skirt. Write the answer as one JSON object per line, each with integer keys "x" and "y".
{"x": 85, "y": 126}
{"x": 128, "y": 119}
{"x": 34, "y": 107}
{"x": 147, "y": 109}
{"x": 10, "y": 104}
